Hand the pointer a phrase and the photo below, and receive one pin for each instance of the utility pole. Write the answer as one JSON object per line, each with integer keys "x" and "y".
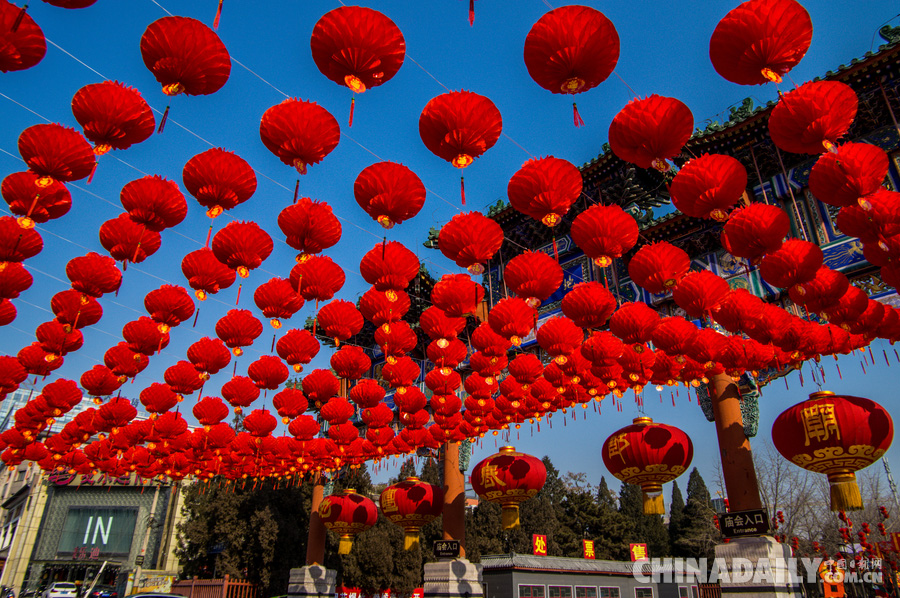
{"x": 891, "y": 483}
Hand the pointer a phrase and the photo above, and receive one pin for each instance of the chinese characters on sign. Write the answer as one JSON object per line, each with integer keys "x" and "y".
{"x": 588, "y": 549}
{"x": 744, "y": 523}
{"x": 446, "y": 549}
{"x": 819, "y": 422}
{"x": 539, "y": 542}
{"x": 82, "y": 553}
{"x": 639, "y": 552}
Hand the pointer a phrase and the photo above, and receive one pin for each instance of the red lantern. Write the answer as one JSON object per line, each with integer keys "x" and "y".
{"x": 340, "y": 320}
{"x": 238, "y": 328}
{"x": 289, "y": 403}
{"x": 304, "y": 428}
{"x": 545, "y": 188}
{"x": 389, "y": 266}
{"x": 317, "y": 277}
{"x": 509, "y": 478}
{"x": 389, "y": 192}
{"x": 209, "y": 411}
{"x": 835, "y": 435}
{"x": 17, "y": 244}
{"x": 159, "y": 398}
{"x": 169, "y": 305}
{"x": 447, "y": 355}
{"x": 260, "y": 423}
{"x": 795, "y": 263}
{"x": 209, "y": 355}
{"x": 56, "y": 340}
{"x": 740, "y": 311}
{"x": 297, "y": 348}
{"x": 113, "y": 115}
{"x": 707, "y": 187}
{"x": 755, "y": 230}
{"x": 299, "y": 133}
{"x": 588, "y": 304}
{"x": 559, "y": 337}
{"x": 470, "y": 239}
{"x": 812, "y": 117}
{"x": 843, "y": 177}
{"x": 277, "y": 299}
{"x": 242, "y": 246}
{"x": 185, "y": 56}
{"x": 700, "y": 292}
{"x": 31, "y": 203}
{"x": 378, "y": 308}
{"x": 37, "y": 361}
{"x": 411, "y": 504}
{"x": 320, "y": 386}
{"x": 124, "y": 362}
{"x": 206, "y": 274}
{"x": 347, "y": 515}
{"x": 94, "y": 274}
{"x": 649, "y": 454}
{"x": 56, "y": 153}
{"x": 513, "y": 319}
{"x": 821, "y": 292}
{"x": 25, "y": 45}
{"x": 395, "y": 339}
{"x": 219, "y": 180}
{"x": 99, "y": 381}
{"x": 240, "y": 392}
{"x": 7, "y": 312}
{"x": 144, "y": 336}
{"x": 604, "y": 233}
{"x": 310, "y": 226}
{"x": 14, "y": 279}
{"x": 634, "y": 323}
{"x": 649, "y": 131}
{"x": 350, "y": 362}
{"x": 674, "y": 335}
{"x": 154, "y": 202}
{"x": 367, "y": 394}
{"x": 489, "y": 342}
{"x": 525, "y": 368}
{"x": 267, "y": 372}
{"x": 533, "y": 276}
{"x": 658, "y": 267}
{"x": 127, "y": 241}
{"x": 438, "y": 325}
{"x": 183, "y": 378}
{"x": 403, "y": 372}
{"x": 760, "y": 41}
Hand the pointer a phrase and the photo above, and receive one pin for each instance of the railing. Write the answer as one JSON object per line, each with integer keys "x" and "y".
{"x": 710, "y": 590}
{"x": 214, "y": 588}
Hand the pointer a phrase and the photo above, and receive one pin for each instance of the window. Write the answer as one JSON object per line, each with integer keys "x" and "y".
{"x": 695, "y": 592}
{"x": 643, "y": 593}
{"x": 609, "y": 592}
{"x": 683, "y": 592}
{"x": 559, "y": 592}
{"x": 531, "y": 591}
{"x": 583, "y": 592}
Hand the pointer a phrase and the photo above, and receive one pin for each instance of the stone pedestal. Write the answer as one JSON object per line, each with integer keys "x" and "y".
{"x": 759, "y": 567}
{"x": 312, "y": 581}
{"x": 453, "y": 579}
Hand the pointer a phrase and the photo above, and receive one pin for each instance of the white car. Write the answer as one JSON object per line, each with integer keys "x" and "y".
{"x": 61, "y": 589}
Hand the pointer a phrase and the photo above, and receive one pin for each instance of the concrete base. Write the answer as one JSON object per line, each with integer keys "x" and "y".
{"x": 777, "y": 580}
{"x": 453, "y": 579}
{"x": 312, "y": 581}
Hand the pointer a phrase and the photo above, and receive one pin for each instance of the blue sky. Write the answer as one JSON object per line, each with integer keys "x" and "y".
{"x": 664, "y": 49}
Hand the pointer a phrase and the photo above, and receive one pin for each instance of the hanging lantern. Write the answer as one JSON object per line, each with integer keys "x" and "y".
{"x": 267, "y": 372}
{"x": 297, "y": 348}
{"x": 242, "y": 246}
{"x": 299, "y": 133}
{"x": 649, "y": 131}
{"x": 755, "y": 230}
{"x": 377, "y": 308}
{"x": 94, "y": 274}
{"x": 836, "y": 435}
{"x": 240, "y": 392}
{"x": 14, "y": 279}
{"x": 708, "y": 186}
{"x": 545, "y": 188}
{"x": 25, "y": 44}
{"x": 470, "y": 239}
{"x": 513, "y": 319}
{"x": 509, "y": 478}
{"x": 185, "y": 56}
{"x": 56, "y": 153}
{"x": 219, "y": 180}
{"x": 277, "y": 300}
{"x": 347, "y": 515}
{"x": 113, "y": 115}
{"x": 533, "y": 276}
{"x": 209, "y": 411}
{"x": 634, "y": 323}
{"x": 33, "y": 204}
{"x": 206, "y": 274}
{"x": 238, "y": 328}
{"x": 389, "y": 266}
{"x": 154, "y": 202}
{"x": 350, "y": 362}
{"x": 320, "y": 386}
{"x": 209, "y": 355}
{"x": 700, "y": 292}
{"x": 588, "y": 304}
{"x": 648, "y": 454}
{"x": 658, "y": 267}
{"x": 183, "y": 378}
{"x": 795, "y": 263}
{"x": 144, "y": 336}
{"x": 604, "y": 233}
{"x": 127, "y": 241}
{"x": 760, "y": 41}
{"x": 317, "y": 278}
{"x": 559, "y": 338}
{"x": 484, "y": 339}
{"x": 389, "y": 192}
{"x": 811, "y": 118}
{"x": 340, "y": 320}
{"x": 310, "y": 226}
{"x": 99, "y": 381}
{"x": 844, "y": 177}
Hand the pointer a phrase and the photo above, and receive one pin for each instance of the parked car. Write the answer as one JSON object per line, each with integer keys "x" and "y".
{"x": 61, "y": 589}
{"x": 102, "y": 592}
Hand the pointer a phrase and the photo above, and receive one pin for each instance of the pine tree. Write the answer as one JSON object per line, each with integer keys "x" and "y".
{"x": 432, "y": 473}
{"x": 612, "y": 526}
{"x": 676, "y": 515}
{"x": 647, "y": 529}
{"x": 697, "y": 534}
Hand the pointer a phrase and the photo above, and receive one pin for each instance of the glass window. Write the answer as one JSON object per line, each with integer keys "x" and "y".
{"x": 643, "y": 593}
{"x": 695, "y": 592}
{"x": 559, "y": 592}
{"x": 609, "y": 592}
{"x": 585, "y": 592}
{"x": 531, "y": 591}
{"x": 683, "y": 592}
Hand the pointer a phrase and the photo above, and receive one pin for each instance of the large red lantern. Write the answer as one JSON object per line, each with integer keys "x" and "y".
{"x": 357, "y": 47}
{"x": 470, "y": 239}
{"x": 513, "y": 319}
{"x": 844, "y": 177}
{"x": 299, "y": 133}
{"x": 317, "y": 277}
{"x": 209, "y": 355}
{"x": 56, "y": 153}
{"x": 185, "y": 56}
{"x": 219, "y": 180}
{"x": 707, "y": 187}
{"x": 811, "y": 118}
{"x": 658, "y": 267}
{"x": 31, "y": 203}
{"x": 389, "y": 192}
{"x": 649, "y": 131}
{"x": 509, "y": 478}
{"x": 17, "y": 244}
{"x": 350, "y": 363}
{"x": 297, "y": 348}
{"x": 127, "y": 241}
{"x": 604, "y": 232}
{"x": 389, "y": 266}
{"x": 533, "y": 276}
{"x": 836, "y": 435}
{"x": 340, "y": 320}
{"x": 267, "y": 372}
{"x": 277, "y": 300}
{"x": 588, "y": 304}
{"x": 113, "y": 115}
{"x": 796, "y": 262}
{"x": 14, "y": 279}
{"x": 700, "y": 292}
{"x": 347, "y": 515}
{"x": 169, "y": 305}
{"x": 378, "y": 308}
{"x": 760, "y": 41}
{"x": 75, "y": 310}
{"x": 545, "y": 188}
{"x": 240, "y": 392}
{"x": 310, "y": 226}
{"x": 238, "y": 328}
{"x": 24, "y": 46}
{"x": 154, "y": 202}
{"x": 755, "y": 230}
{"x": 94, "y": 274}
{"x": 411, "y": 504}
{"x": 206, "y": 274}
{"x": 242, "y": 246}
{"x": 648, "y": 454}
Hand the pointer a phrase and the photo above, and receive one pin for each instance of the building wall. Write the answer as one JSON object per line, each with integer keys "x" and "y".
{"x": 507, "y": 584}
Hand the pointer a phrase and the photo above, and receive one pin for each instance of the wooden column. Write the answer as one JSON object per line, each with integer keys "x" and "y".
{"x": 454, "y": 513}
{"x": 315, "y": 543}
{"x": 734, "y": 447}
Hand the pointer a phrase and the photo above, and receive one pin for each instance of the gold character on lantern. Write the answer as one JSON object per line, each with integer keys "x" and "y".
{"x": 819, "y": 422}
{"x": 489, "y": 477}
{"x": 618, "y": 444}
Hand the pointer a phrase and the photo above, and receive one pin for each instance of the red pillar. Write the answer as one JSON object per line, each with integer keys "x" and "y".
{"x": 734, "y": 446}
{"x": 315, "y": 543}
{"x": 454, "y": 513}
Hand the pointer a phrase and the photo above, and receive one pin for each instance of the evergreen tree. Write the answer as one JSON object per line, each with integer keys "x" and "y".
{"x": 647, "y": 529}
{"x": 697, "y": 534}
{"x": 432, "y": 473}
{"x": 676, "y": 515}
{"x": 612, "y": 526}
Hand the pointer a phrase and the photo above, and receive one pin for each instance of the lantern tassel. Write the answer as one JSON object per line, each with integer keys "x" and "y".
{"x": 162, "y": 121}
{"x": 19, "y": 18}
{"x": 345, "y": 544}
{"x": 410, "y": 540}
{"x": 579, "y": 122}
{"x": 296, "y": 190}
{"x": 352, "y": 104}
{"x": 238, "y": 300}
{"x": 462, "y": 189}
{"x": 654, "y": 503}
{"x": 218, "y": 15}
{"x": 510, "y": 517}
{"x": 196, "y": 315}
{"x": 471, "y": 13}
{"x": 93, "y": 170}
{"x": 845, "y": 494}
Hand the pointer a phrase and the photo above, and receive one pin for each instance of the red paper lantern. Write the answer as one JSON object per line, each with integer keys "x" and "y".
{"x": 56, "y": 153}
{"x": 649, "y": 131}
{"x": 304, "y": 428}
{"x": 460, "y": 126}
{"x": 240, "y": 392}
{"x": 378, "y": 308}
{"x": 350, "y": 362}
{"x": 185, "y": 56}
{"x": 649, "y": 454}
{"x": 242, "y": 246}
{"x": 144, "y": 336}
{"x": 395, "y": 339}
{"x": 545, "y": 188}
{"x": 299, "y": 133}
{"x": 260, "y": 423}
{"x": 209, "y": 411}
{"x": 513, "y": 319}
{"x": 559, "y": 337}
{"x": 509, "y": 478}
{"x": 821, "y": 292}
{"x": 14, "y": 279}
{"x": 674, "y": 335}
{"x": 708, "y": 186}
{"x": 470, "y": 239}
{"x": 320, "y": 386}
{"x": 489, "y": 342}
{"x": 634, "y": 323}
{"x": 389, "y": 266}
{"x": 795, "y": 263}
{"x": 403, "y": 372}
{"x": 533, "y": 276}
{"x": 389, "y": 192}
{"x": 588, "y": 304}
{"x": 658, "y": 267}
{"x": 56, "y": 340}
{"x": 99, "y": 381}
{"x": 219, "y": 180}
{"x": 31, "y": 203}
{"x": 317, "y": 277}
{"x": 209, "y": 355}
{"x": 25, "y": 45}
{"x": 310, "y": 226}
{"x": 700, "y": 292}
{"x": 760, "y": 41}
{"x": 347, "y": 515}
{"x": 289, "y": 403}
{"x": 367, "y": 394}
{"x": 755, "y": 230}
{"x": 206, "y": 274}
{"x": 297, "y": 347}
{"x": 835, "y": 435}
{"x": 127, "y": 241}
{"x": 277, "y": 299}
{"x": 94, "y": 274}
{"x": 159, "y": 398}
{"x": 267, "y": 372}
{"x": 183, "y": 378}
{"x": 169, "y": 305}
{"x": 37, "y": 361}
{"x": 811, "y": 118}
{"x": 841, "y": 178}
{"x": 124, "y": 362}
{"x": 7, "y": 312}
{"x": 154, "y": 202}
{"x": 238, "y": 328}
{"x": 113, "y": 115}
{"x": 340, "y": 320}
{"x": 17, "y": 244}
{"x": 604, "y": 232}
{"x": 75, "y": 309}
{"x": 448, "y": 355}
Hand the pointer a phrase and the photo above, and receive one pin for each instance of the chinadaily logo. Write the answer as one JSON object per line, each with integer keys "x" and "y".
{"x": 757, "y": 572}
